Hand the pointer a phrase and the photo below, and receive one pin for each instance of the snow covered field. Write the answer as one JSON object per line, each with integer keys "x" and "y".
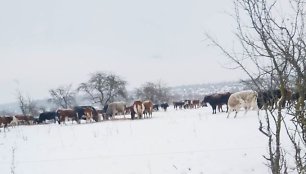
{"x": 176, "y": 141}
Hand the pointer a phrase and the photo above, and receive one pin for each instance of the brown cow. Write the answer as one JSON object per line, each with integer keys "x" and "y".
{"x": 88, "y": 112}
{"x": 5, "y": 121}
{"x": 79, "y": 110}
{"x": 64, "y": 114}
{"x": 138, "y": 108}
{"x": 24, "y": 119}
{"x": 195, "y": 104}
{"x": 148, "y": 108}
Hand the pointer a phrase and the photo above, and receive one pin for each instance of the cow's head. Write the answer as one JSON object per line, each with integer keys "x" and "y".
{"x": 204, "y": 101}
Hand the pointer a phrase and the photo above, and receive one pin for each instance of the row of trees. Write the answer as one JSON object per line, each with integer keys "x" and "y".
{"x": 271, "y": 35}
{"x": 101, "y": 89}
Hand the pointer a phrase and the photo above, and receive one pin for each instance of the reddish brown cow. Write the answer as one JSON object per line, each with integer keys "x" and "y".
{"x": 67, "y": 113}
{"x": 5, "y": 121}
{"x": 148, "y": 108}
{"x": 88, "y": 112}
{"x": 24, "y": 119}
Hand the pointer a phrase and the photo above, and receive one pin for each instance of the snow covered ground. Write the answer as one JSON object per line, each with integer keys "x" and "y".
{"x": 176, "y": 141}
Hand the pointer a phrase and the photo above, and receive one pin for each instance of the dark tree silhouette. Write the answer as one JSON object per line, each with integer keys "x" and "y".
{"x": 103, "y": 88}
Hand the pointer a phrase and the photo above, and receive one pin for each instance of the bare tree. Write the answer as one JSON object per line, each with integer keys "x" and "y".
{"x": 22, "y": 103}
{"x": 103, "y": 88}
{"x": 63, "y": 96}
{"x": 274, "y": 43}
{"x": 27, "y": 105}
{"x": 156, "y": 92}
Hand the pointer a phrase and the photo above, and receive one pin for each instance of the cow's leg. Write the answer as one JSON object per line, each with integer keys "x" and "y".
{"x": 220, "y": 108}
{"x": 89, "y": 117}
{"x": 245, "y": 112}
{"x": 214, "y": 109}
{"x": 61, "y": 120}
{"x": 6, "y": 127}
{"x": 228, "y": 113}
{"x": 236, "y": 112}
{"x": 65, "y": 120}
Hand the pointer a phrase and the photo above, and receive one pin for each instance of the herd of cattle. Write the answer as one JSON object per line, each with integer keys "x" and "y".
{"x": 139, "y": 109}
{"x": 247, "y": 100}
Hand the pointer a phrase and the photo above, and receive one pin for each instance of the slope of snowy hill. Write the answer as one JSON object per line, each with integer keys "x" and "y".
{"x": 176, "y": 141}
{"x": 200, "y": 90}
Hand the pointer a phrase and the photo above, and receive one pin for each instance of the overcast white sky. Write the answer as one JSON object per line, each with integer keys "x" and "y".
{"x": 48, "y": 43}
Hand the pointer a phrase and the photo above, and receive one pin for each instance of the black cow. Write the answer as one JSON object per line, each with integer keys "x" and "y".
{"x": 164, "y": 106}
{"x": 270, "y": 97}
{"x": 132, "y": 111}
{"x": 179, "y": 104}
{"x": 216, "y": 100}
{"x": 295, "y": 96}
{"x": 156, "y": 107}
{"x": 47, "y": 116}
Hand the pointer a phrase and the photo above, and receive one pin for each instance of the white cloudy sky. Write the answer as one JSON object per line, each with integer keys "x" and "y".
{"x": 45, "y": 44}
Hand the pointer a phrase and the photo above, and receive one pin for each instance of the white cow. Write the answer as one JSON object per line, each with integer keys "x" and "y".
{"x": 14, "y": 122}
{"x": 243, "y": 99}
{"x": 116, "y": 108}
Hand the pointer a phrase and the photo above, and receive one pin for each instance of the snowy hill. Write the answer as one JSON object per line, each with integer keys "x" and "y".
{"x": 176, "y": 141}
{"x": 200, "y": 90}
